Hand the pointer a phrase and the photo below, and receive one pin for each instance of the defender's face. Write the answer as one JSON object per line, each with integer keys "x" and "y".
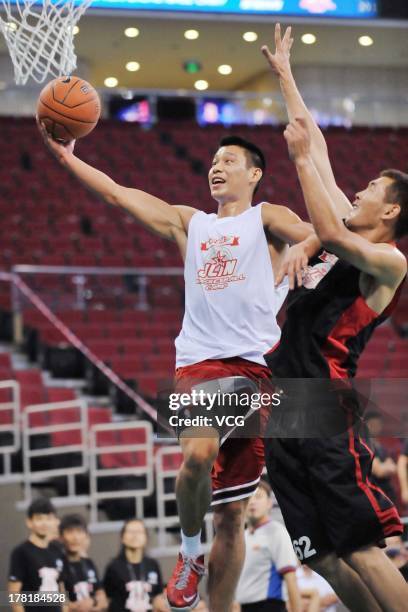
{"x": 75, "y": 540}
{"x": 229, "y": 174}
{"x": 134, "y": 535}
{"x": 369, "y": 205}
{"x": 259, "y": 505}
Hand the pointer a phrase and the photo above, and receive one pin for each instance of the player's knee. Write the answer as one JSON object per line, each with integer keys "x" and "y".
{"x": 365, "y": 559}
{"x": 229, "y": 518}
{"x": 199, "y": 456}
{"x": 327, "y": 566}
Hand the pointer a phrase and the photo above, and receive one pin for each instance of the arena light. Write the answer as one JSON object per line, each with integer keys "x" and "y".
{"x": 132, "y": 66}
{"x": 224, "y": 69}
{"x": 201, "y": 85}
{"x": 309, "y": 39}
{"x": 75, "y": 30}
{"x": 131, "y": 32}
{"x": 250, "y": 36}
{"x": 366, "y": 41}
{"x": 191, "y": 34}
{"x": 111, "y": 82}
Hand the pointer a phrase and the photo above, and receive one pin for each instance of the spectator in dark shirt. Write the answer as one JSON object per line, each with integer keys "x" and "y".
{"x": 384, "y": 467}
{"x": 80, "y": 576}
{"x": 132, "y": 580}
{"x": 35, "y": 565}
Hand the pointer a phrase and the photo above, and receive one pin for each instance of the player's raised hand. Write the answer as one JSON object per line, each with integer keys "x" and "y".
{"x": 59, "y": 149}
{"x": 280, "y": 60}
{"x": 293, "y": 265}
{"x": 298, "y": 139}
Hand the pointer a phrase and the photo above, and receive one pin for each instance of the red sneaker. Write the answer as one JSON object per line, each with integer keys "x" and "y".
{"x": 182, "y": 588}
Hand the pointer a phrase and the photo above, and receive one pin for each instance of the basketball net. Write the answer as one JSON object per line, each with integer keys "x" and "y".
{"x": 40, "y": 36}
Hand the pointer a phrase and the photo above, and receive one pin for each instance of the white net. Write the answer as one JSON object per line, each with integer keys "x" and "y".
{"x": 40, "y": 36}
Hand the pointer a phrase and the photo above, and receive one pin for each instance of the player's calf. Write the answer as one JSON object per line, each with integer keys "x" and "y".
{"x": 193, "y": 493}
{"x": 227, "y": 554}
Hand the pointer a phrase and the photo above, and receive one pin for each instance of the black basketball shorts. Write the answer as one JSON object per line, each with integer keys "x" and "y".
{"x": 323, "y": 488}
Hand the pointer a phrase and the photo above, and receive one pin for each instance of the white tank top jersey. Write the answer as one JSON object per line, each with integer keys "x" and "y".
{"x": 231, "y": 301}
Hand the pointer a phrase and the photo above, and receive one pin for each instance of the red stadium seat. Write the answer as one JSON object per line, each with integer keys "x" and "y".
{"x": 57, "y": 394}
{"x": 99, "y": 415}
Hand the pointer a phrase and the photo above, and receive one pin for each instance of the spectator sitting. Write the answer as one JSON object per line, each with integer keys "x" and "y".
{"x": 132, "y": 580}
{"x": 35, "y": 565}
{"x": 80, "y": 576}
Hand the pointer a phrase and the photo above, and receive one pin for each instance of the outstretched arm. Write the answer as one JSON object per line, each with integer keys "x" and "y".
{"x": 296, "y": 107}
{"x": 154, "y": 213}
{"x": 383, "y": 262}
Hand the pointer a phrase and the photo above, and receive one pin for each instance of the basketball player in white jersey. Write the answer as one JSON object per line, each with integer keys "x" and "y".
{"x": 231, "y": 258}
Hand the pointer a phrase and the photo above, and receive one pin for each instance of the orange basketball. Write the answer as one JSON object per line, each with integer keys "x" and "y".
{"x": 69, "y": 107}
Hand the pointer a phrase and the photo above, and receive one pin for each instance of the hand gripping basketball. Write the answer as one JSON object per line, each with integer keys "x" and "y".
{"x": 59, "y": 149}
{"x": 69, "y": 108}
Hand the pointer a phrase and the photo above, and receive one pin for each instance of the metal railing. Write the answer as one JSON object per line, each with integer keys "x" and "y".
{"x": 118, "y": 450}
{"x": 39, "y": 420}
{"x": 9, "y": 430}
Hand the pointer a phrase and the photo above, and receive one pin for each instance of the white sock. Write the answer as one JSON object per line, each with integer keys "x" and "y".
{"x": 191, "y": 545}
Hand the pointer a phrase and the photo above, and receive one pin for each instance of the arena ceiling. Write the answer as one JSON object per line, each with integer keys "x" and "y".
{"x": 161, "y": 49}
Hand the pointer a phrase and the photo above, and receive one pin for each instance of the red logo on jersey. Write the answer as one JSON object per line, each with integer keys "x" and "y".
{"x": 312, "y": 275}
{"x": 218, "y": 266}
{"x": 218, "y": 242}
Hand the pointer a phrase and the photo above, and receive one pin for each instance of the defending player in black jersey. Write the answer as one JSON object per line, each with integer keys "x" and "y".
{"x": 80, "y": 575}
{"x": 334, "y": 514}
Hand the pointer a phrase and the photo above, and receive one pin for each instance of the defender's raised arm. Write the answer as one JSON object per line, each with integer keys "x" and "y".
{"x": 296, "y": 107}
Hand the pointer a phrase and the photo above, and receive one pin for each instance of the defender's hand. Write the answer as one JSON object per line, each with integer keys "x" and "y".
{"x": 280, "y": 60}
{"x": 298, "y": 139}
{"x": 60, "y": 150}
{"x": 293, "y": 266}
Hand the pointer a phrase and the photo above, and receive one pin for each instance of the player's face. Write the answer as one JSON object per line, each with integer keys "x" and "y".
{"x": 75, "y": 540}
{"x": 134, "y": 535}
{"x": 42, "y": 525}
{"x": 370, "y": 205}
{"x": 259, "y": 505}
{"x": 229, "y": 175}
